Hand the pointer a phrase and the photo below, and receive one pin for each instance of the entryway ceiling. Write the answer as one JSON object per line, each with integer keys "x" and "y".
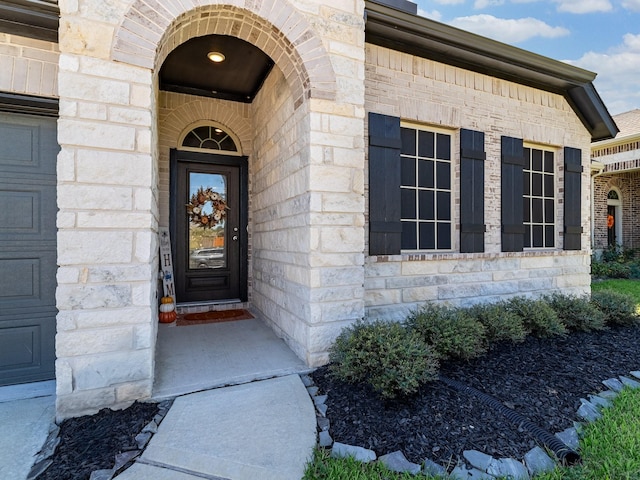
{"x": 239, "y": 77}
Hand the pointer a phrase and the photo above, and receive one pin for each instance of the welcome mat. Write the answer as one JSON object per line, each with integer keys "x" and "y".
{"x": 213, "y": 317}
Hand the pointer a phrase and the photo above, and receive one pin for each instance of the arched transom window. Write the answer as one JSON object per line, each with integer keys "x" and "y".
{"x": 209, "y": 137}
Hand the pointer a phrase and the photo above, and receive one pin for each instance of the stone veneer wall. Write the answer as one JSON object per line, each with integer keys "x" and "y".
{"x": 628, "y": 183}
{"x": 28, "y": 66}
{"x": 110, "y": 180}
{"x": 432, "y": 93}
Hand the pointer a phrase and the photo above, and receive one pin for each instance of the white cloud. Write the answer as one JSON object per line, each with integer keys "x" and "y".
{"x": 584, "y": 6}
{"x": 480, "y": 4}
{"x": 618, "y": 72}
{"x": 433, "y": 14}
{"x": 633, "y": 5}
{"x": 449, "y": 2}
{"x": 508, "y": 30}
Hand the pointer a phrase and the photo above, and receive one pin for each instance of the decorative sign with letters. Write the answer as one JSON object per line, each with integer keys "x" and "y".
{"x": 166, "y": 264}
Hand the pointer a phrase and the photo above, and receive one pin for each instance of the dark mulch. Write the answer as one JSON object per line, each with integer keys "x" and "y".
{"x": 542, "y": 379}
{"x": 91, "y": 442}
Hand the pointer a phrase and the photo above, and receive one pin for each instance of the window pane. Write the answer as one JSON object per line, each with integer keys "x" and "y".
{"x": 427, "y": 236}
{"x": 210, "y": 144}
{"x": 527, "y": 158}
{"x": 527, "y": 236}
{"x": 548, "y": 211}
{"x": 536, "y": 184}
{"x": 409, "y": 236}
{"x": 228, "y": 145}
{"x": 536, "y": 210}
{"x": 425, "y": 144}
{"x": 444, "y": 235}
{"x": 425, "y": 173}
{"x": 407, "y": 203}
{"x": 548, "y": 186}
{"x": 526, "y": 203}
{"x": 527, "y": 183}
{"x": 536, "y": 160}
{"x": 408, "y": 139}
{"x": 444, "y": 205}
{"x": 408, "y": 172}
{"x": 548, "y": 162}
{"x": 191, "y": 141}
{"x": 443, "y": 149}
{"x": 549, "y": 233}
{"x": 537, "y": 236}
{"x": 427, "y": 208}
{"x": 443, "y": 175}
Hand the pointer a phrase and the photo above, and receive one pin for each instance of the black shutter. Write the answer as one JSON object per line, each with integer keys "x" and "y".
{"x": 511, "y": 186}
{"x": 385, "y": 228}
{"x": 572, "y": 198}
{"x": 472, "y": 157}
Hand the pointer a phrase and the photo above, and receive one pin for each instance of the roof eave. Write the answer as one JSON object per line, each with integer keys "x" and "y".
{"x": 427, "y": 38}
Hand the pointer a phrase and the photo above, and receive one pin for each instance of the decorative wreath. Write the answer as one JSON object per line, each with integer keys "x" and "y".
{"x": 199, "y": 200}
{"x": 610, "y": 221}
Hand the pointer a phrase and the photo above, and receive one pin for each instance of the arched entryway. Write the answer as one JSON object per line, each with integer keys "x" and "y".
{"x": 614, "y": 218}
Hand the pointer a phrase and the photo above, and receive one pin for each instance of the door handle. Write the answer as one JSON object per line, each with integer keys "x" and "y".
{"x": 234, "y": 238}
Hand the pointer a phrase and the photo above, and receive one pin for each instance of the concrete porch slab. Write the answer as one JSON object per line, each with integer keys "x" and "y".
{"x": 264, "y": 429}
{"x": 200, "y": 357}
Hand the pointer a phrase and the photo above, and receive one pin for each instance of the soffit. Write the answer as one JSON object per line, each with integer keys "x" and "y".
{"x": 238, "y": 78}
{"x": 416, "y": 35}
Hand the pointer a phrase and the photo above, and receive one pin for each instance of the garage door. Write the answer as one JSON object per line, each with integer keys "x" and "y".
{"x": 28, "y": 150}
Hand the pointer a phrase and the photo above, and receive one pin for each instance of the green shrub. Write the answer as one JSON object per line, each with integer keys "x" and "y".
{"x": 452, "y": 332}
{"x": 576, "y": 313}
{"x": 392, "y": 359}
{"x": 537, "y": 316}
{"x": 618, "y": 308}
{"x": 500, "y": 324}
{"x": 611, "y": 269}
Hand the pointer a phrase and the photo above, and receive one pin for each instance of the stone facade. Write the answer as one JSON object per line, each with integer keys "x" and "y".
{"x": 304, "y": 135}
{"x": 435, "y": 94}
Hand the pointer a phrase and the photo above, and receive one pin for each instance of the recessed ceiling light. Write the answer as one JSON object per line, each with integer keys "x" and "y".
{"x": 216, "y": 57}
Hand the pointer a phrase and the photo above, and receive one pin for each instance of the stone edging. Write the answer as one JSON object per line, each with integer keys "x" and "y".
{"x": 122, "y": 460}
{"x": 480, "y": 465}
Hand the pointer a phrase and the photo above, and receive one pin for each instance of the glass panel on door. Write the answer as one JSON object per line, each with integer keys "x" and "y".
{"x": 207, "y": 210}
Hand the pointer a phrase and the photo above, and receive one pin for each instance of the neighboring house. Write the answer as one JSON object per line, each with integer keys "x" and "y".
{"x": 365, "y": 160}
{"x": 615, "y": 172}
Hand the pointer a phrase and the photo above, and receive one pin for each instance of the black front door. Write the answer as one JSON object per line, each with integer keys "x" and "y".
{"x": 209, "y": 226}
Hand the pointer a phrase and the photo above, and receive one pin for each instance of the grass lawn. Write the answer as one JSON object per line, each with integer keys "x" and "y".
{"x": 610, "y": 447}
{"x": 630, "y": 287}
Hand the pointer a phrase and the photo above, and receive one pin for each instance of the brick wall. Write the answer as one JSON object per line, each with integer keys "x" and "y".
{"x": 628, "y": 185}
{"x": 28, "y": 66}
{"x": 431, "y": 93}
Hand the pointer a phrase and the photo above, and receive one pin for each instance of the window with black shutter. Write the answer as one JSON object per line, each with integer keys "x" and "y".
{"x": 539, "y": 198}
{"x": 426, "y": 189}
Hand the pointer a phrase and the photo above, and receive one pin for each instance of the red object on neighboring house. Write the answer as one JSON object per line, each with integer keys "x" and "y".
{"x": 610, "y": 221}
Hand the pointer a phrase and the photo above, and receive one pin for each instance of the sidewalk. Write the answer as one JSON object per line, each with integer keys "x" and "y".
{"x": 262, "y": 430}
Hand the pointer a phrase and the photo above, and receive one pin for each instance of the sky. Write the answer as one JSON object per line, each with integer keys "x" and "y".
{"x": 602, "y": 36}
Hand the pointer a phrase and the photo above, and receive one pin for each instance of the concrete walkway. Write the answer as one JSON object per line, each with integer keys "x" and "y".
{"x": 24, "y": 427}
{"x": 262, "y": 430}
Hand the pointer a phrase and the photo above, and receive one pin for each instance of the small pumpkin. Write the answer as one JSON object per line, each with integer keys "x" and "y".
{"x": 167, "y": 317}
{"x": 167, "y": 307}
{"x": 166, "y": 300}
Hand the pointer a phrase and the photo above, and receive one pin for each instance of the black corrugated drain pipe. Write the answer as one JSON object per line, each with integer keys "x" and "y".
{"x": 563, "y": 452}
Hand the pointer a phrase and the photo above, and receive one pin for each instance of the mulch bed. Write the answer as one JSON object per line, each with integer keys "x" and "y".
{"x": 542, "y": 379}
{"x": 91, "y": 442}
